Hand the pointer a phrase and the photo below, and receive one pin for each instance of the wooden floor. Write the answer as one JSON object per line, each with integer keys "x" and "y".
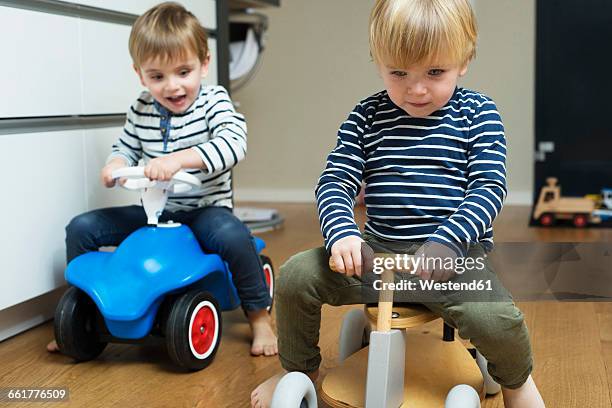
{"x": 572, "y": 343}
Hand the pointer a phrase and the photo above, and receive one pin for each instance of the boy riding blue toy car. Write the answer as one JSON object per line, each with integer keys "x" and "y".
{"x": 158, "y": 284}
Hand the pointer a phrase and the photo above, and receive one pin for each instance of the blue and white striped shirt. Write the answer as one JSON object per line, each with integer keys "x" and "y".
{"x": 210, "y": 126}
{"x": 439, "y": 178}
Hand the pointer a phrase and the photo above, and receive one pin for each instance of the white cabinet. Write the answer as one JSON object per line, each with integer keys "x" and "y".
{"x": 204, "y": 10}
{"x": 55, "y": 65}
{"x": 98, "y": 144}
{"x": 59, "y": 180}
{"x": 40, "y": 69}
{"x": 110, "y": 84}
{"x": 43, "y": 189}
{"x": 133, "y": 6}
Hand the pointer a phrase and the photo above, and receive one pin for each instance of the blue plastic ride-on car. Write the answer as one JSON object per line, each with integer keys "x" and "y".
{"x": 158, "y": 285}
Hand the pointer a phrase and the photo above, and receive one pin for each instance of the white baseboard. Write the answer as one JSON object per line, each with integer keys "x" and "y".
{"x": 297, "y": 195}
{"x": 519, "y": 198}
{"x": 25, "y": 315}
{"x": 307, "y": 196}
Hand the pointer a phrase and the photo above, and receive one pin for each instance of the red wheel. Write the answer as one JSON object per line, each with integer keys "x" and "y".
{"x": 193, "y": 330}
{"x": 268, "y": 271}
{"x": 547, "y": 219}
{"x": 580, "y": 220}
{"x": 204, "y": 329}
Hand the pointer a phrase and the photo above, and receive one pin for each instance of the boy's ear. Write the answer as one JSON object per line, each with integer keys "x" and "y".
{"x": 205, "y": 65}
{"x": 137, "y": 70}
{"x": 463, "y": 70}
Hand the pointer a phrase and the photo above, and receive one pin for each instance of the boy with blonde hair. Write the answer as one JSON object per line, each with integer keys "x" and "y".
{"x": 179, "y": 124}
{"x": 432, "y": 156}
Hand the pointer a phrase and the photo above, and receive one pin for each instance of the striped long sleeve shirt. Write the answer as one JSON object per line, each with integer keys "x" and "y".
{"x": 210, "y": 126}
{"x": 440, "y": 178}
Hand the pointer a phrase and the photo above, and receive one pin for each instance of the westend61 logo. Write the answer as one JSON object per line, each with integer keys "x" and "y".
{"x": 411, "y": 264}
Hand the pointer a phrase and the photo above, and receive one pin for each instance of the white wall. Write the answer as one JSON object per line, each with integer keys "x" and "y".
{"x": 317, "y": 67}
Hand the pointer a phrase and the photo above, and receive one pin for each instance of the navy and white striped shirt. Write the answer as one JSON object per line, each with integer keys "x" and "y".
{"x": 439, "y": 178}
{"x": 210, "y": 126}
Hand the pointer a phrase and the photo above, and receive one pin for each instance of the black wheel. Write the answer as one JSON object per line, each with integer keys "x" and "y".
{"x": 268, "y": 270}
{"x": 75, "y": 326}
{"x": 193, "y": 330}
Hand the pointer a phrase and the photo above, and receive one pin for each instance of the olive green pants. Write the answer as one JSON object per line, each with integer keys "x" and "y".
{"x": 493, "y": 323}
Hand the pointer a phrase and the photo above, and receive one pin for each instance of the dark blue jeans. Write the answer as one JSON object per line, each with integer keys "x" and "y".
{"x": 216, "y": 229}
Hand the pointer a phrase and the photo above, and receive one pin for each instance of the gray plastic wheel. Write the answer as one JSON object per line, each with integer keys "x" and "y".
{"x": 491, "y": 387}
{"x": 354, "y": 333}
{"x": 462, "y": 396}
{"x": 294, "y": 390}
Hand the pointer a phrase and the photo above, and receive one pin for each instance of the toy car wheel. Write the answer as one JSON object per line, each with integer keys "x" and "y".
{"x": 462, "y": 396}
{"x": 75, "y": 326}
{"x": 268, "y": 270}
{"x": 580, "y": 220}
{"x": 547, "y": 219}
{"x": 294, "y": 390}
{"x": 354, "y": 333}
{"x": 193, "y": 330}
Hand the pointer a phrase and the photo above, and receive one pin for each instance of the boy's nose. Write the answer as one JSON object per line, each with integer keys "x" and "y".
{"x": 417, "y": 88}
{"x": 172, "y": 84}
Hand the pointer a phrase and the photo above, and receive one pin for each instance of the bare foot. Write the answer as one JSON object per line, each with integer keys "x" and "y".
{"x": 264, "y": 339}
{"x": 52, "y": 347}
{"x": 261, "y": 397}
{"x": 527, "y": 395}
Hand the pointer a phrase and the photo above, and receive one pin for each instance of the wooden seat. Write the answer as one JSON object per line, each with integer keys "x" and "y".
{"x": 404, "y": 316}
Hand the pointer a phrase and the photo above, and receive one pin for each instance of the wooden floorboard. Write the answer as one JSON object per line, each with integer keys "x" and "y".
{"x": 572, "y": 342}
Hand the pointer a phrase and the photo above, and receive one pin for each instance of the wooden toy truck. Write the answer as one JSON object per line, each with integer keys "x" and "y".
{"x": 551, "y": 206}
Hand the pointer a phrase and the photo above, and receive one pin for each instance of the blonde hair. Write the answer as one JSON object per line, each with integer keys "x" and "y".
{"x": 407, "y": 32}
{"x": 167, "y": 31}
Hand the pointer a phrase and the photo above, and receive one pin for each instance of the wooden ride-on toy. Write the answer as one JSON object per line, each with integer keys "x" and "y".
{"x": 396, "y": 369}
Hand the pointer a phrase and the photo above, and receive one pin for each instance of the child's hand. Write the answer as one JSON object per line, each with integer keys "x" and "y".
{"x": 346, "y": 255}
{"x": 436, "y": 262}
{"x": 162, "y": 168}
{"x": 107, "y": 171}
